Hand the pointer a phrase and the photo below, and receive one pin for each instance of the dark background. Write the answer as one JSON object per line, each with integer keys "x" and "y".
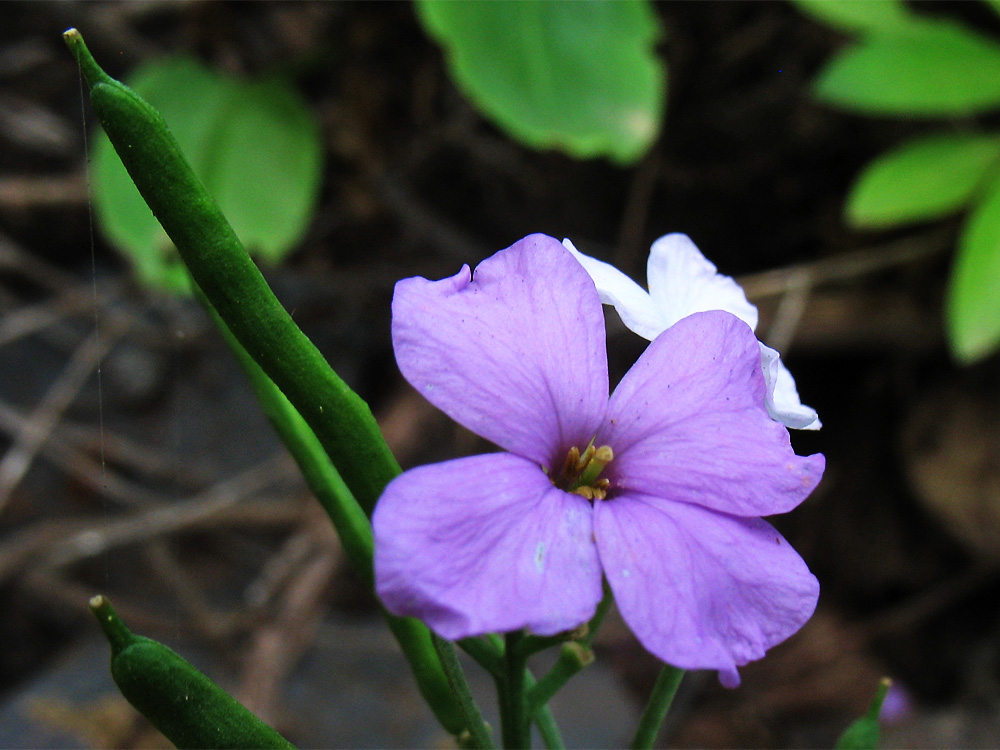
{"x": 167, "y": 490}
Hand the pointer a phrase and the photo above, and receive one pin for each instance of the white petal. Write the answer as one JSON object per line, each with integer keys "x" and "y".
{"x": 633, "y": 303}
{"x": 682, "y": 281}
{"x": 783, "y": 403}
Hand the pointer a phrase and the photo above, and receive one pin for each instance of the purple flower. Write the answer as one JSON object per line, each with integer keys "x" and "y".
{"x": 660, "y": 487}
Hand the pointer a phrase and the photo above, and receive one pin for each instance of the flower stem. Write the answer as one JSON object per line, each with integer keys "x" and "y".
{"x": 515, "y": 721}
{"x": 488, "y": 652}
{"x": 573, "y": 657}
{"x": 485, "y": 654}
{"x": 479, "y": 733}
{"x": 353, "y": 526}
{"x": 347, "y": 516}
{"x": 546, "y": 724}
{"x": 656, "y": 709}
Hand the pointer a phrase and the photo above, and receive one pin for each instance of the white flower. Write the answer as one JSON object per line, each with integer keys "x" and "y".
{"x": 681, "y": 282}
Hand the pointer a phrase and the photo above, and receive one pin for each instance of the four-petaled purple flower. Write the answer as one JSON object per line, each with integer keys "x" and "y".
{"x": 660, "y": 487}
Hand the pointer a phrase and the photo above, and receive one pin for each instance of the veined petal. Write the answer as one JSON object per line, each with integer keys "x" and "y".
{"x": 634, "y": 305}
{"x": 485, "y": 544}
{"x": 700, "y": 589}
{"x": 783, "y": 402}
{"x": 515, "y": 352}
{"x": 682, "y": 281}
{"x": 688, "y": 423}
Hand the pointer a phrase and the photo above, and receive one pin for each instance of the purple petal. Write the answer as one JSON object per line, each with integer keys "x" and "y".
{"x": 688, "y": 423}
{"x": 700, "y": 589}
{"x": 485, "y": 544}
{"x": 517, "y": 354}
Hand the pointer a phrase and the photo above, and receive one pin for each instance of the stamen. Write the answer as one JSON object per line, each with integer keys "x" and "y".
{"x": 599, "y": 458}
{"x": 571, "y": 468}
{"x": 581, "y": 472}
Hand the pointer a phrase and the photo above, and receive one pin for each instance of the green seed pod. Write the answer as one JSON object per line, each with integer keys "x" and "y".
{"x": 233, "y": 284}
{"x": 236, "y": 290}
{"x": 185, "y": 705}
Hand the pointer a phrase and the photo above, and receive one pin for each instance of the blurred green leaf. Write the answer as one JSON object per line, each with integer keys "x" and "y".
{"x": 973, "y": 312}
{"x": 582, "y": 77}
{"x": 926, "y": 68}
{"x": 853, "y": 16}
{"x": 254, "y": 144}
{"x": 923, "y": 179}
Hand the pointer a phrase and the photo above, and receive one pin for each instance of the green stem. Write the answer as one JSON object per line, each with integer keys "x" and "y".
{"x": 350, "y": 521}
{"x": 544, "y": 720}
{"x": 340, "y": 419}
{"x": 515, "y": 720}
{"x": 656, "y": 709}
{"x": 485, "y": 654}
{"x": 478, "y": 729}
{"x": 488, "y": 652}
{"x": 357, "y": 462}
{"x": 574, "y": 656}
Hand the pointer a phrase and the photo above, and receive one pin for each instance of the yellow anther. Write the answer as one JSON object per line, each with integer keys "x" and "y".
{"x": 581, "y": 472}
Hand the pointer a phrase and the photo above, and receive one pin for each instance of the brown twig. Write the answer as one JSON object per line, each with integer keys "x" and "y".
{"x": 18, "y": 458}
{"x": 171, "y": 518}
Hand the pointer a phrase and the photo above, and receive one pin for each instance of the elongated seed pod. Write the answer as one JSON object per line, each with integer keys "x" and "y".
{"x": 184, "y": 704}
{"x": 235, "y": 288}
{"x": 234, "y": 285}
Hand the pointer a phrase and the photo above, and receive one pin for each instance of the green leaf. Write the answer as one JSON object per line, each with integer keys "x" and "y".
{"x": 582, "y": 77}
{"x": 265, "y": 167}
{"x": 923, "y": 179}
{"x": 973, "y": 310}
{"x": 254, "y": 144}
{"x": 926, "y": 68}
{"x": 853, "y": 16}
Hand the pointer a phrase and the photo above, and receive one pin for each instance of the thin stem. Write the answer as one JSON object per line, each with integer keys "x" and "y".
{"x": 514, "y": 717}
{"x": 479, "y": 733}
{"x": 572, "y": 658}
{"x": 544, "y": 719}
{"x": 485, "y": 653}
{"x": 656, "y": 709}
{"x": 575, "y": 655}
{"x": 347, "y": 516}
{"x": 488, "y": 652}
{"x": 350, "y": 521}
{"x": 598, "y": 618}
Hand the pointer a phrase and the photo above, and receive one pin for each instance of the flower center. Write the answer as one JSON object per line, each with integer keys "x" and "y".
{"x": 581, "y": 472}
